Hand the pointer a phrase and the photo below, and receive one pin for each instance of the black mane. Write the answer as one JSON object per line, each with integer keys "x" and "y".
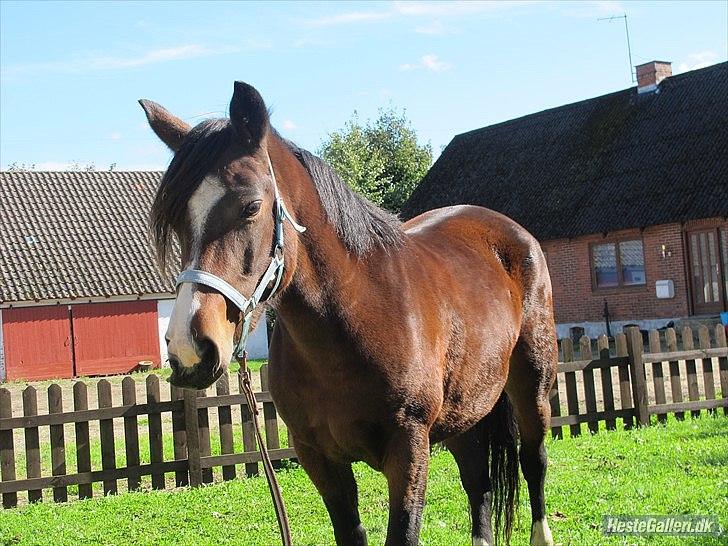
{"x": 196, "y": 157}
{"x": 360, "y": 224}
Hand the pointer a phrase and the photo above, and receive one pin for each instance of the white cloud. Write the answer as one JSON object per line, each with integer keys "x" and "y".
{"x": 433, "y": 63}
{"x": 116, "y": 135}
{"x": 695, "y": 61}
{"x": 599, "y": 8}
{"x": 289, "y": 125}
{"x": 430, "y": 62}
{"x": 349, "y": 17}
{"x": 108, "y": 62}
{"x": 456, "y": 7}
{"x": 434, "y": 28}
{"x": 418, "y": 9}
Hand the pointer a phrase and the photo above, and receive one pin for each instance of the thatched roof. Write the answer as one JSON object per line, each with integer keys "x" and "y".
{"x": 623, "y": 160}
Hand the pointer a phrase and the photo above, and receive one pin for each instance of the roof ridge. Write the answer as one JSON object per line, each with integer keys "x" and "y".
{"x": 571, "y": 105}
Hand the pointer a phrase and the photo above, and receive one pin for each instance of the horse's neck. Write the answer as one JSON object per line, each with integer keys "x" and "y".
{"x": 326, "y": 274}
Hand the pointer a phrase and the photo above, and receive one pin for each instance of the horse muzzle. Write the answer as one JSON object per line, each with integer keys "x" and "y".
{"x": 200, "y": 375}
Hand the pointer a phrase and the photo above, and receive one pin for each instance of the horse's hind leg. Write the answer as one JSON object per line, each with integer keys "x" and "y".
{"x": 335, "y": 482}
{"x": 532, "y": 373}
{"x": 471, "y": 455}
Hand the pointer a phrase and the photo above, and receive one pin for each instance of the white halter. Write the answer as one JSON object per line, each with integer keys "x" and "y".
{"x": 273, "y": 273}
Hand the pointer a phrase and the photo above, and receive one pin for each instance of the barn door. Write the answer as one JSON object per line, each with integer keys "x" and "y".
{"x": 114, "y": 337}
{"x": 707, "y": 272}
{"x": 37, "y": 342}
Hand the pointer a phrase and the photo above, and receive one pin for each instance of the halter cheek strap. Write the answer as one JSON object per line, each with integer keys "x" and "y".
{"x": 274, "y": 273}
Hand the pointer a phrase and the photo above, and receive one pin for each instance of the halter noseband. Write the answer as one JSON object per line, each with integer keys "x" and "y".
{"x": 273, "y": 273}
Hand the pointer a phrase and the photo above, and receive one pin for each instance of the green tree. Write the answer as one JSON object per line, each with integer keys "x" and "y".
{"x": 382, "y": 159}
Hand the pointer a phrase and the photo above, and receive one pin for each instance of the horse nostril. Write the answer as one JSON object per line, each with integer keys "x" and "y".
{"x": 174, "y": 363}
{"x": 207, "y": 351}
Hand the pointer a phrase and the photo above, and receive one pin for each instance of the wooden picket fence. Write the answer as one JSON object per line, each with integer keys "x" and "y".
{"x": 632, "y": 382}
{"x": 191, "y": 464}
{"x": 632, "y": 386}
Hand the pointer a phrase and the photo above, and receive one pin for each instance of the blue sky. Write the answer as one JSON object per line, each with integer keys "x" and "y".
{"x": 72, "y": 72}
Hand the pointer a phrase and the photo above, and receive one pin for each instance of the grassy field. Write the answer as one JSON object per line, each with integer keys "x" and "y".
{"x": 678, "y": 468}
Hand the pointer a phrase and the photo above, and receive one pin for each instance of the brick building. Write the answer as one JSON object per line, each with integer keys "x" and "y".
{"x": 627, "y": 193}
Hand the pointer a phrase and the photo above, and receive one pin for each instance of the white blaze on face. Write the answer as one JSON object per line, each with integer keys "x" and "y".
{"x": 181, "y": 342}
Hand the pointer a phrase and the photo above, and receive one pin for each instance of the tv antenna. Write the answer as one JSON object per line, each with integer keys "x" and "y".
{"x": 626, "y": 31}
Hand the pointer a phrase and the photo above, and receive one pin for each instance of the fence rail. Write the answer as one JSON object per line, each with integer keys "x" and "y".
{"x": 98, "y": 439}
{"x": 159, "y": 443}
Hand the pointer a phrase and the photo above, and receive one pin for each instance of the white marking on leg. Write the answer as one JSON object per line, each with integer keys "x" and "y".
{"x": 477, "y": 541}
{"x": 180, "y": 335}
{"x": 541, "y": 534}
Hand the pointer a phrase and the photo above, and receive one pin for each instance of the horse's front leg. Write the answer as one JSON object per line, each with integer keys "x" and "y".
{"x": 335, "y": 482}
{"x": 405, "y": 467}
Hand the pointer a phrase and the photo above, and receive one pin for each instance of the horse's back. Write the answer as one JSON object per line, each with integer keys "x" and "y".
{"x": 485, "y": 230}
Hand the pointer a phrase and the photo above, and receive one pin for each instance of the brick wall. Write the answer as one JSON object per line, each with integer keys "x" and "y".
{"x": 576, "y": 300}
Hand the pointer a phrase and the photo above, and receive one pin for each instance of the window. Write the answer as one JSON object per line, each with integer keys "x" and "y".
{"x": 618, "y": 264}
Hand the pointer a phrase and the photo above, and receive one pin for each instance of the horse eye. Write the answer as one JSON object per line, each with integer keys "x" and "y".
{"x": 251, "y": 209}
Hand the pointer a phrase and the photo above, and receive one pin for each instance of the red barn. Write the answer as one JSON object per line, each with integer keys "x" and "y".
{"x": 80, "y": 293}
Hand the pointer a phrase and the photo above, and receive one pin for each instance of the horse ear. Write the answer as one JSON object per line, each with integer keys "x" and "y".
{"x": 248, "y": 114}
{"x": 169, "y": 128}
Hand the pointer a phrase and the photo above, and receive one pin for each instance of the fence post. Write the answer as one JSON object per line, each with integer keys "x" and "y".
{"x": 32, "y": 442}
{"x": 106, "y": 431}
{"x": 675, "y": 381}
{"x": 720, "y": 341}
{"x": 193, "y": 437}
{"x": 606, "y": 377}
{"x": 658, "y": 380}
{"x": 708, "y": 379}
{"x": 156, "y": 442}
{"x": 625, "y": 391}
{"x": 637, "y": 368}
{"x": 58, "y": 443}
{"x": 179, "y": 434}
{"x": 7, "y": 449}
{"x": 572, "y": 396}
{"x": 83, "y": 443}
{"x": 272, "y": 440}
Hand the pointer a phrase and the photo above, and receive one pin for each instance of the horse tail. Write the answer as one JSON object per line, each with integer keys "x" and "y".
{"x": 502, "y": 441}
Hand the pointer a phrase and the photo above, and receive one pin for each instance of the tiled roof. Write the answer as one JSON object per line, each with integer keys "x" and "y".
{"x": 67, "y": 235}
{"x": 619, "y": 161}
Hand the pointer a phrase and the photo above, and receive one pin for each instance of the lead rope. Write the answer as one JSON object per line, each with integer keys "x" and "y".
{"x": 275, "y": 490}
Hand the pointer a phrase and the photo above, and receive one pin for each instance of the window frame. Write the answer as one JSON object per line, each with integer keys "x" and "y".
{"x": 620, "y": 276}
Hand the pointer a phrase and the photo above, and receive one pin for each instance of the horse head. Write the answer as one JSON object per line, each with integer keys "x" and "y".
{"x": 220, "y": 200}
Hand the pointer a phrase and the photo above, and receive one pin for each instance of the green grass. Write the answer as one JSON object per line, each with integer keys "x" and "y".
{"x": 677, "y": 468}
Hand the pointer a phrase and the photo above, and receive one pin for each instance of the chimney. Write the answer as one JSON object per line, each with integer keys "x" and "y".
{"x": 649, "y": 75}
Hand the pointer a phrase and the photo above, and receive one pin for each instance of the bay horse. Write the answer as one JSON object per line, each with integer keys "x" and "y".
{"x": 389, "y": 337}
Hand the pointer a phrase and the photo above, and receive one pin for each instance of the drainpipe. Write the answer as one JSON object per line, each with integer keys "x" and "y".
{"x": 606, "y": 319}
